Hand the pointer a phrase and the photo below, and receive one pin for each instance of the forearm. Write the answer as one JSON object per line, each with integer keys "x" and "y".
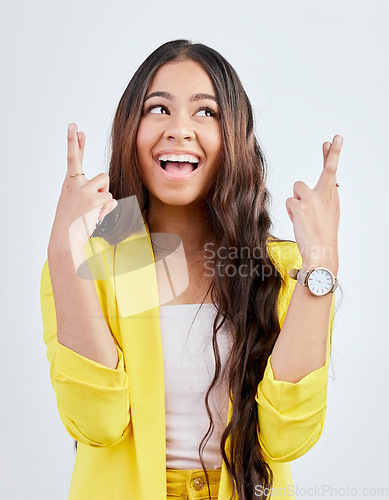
{"x": 81, "y": 325}
{"x": 303, "y": 341}
{"x": 302, "y": 344}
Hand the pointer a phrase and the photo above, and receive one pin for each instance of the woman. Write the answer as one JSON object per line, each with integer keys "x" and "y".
{"x": 183, "y": 221}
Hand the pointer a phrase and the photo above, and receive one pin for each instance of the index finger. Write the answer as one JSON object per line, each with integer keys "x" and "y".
{"x": 74, "y": 152}
{"x": 327, "y": 178}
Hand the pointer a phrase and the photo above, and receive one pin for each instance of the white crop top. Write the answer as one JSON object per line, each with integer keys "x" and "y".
{"x": 189, "y": 366}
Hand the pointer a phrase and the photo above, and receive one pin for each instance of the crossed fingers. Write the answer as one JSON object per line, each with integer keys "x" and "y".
{"x": 326, "y": 183}
{"x": 331, "y": 152}
{"x": 75, "y": 153}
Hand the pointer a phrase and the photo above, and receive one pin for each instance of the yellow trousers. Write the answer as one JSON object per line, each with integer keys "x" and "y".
{"x": 192, "y": 484}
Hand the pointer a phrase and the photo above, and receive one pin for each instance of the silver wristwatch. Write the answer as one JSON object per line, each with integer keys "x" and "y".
{"x": 320, "y": 281}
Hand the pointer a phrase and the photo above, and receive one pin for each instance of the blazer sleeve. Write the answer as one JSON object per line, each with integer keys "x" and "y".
{"x": 92, "y": 399}
{"x": 291, "y": 415}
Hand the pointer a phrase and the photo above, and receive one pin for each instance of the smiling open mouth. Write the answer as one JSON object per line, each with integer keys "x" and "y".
{"x": 178, "y": 167}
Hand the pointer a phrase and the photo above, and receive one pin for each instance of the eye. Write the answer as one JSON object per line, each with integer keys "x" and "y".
{"x": 208, "y": 112}
{"x": 154, "y": 109}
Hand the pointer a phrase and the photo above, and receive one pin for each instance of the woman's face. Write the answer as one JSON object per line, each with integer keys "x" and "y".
{"x": 180, "y": 118}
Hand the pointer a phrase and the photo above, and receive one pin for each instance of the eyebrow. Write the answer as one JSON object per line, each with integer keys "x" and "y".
{"x": 167, "y": 95}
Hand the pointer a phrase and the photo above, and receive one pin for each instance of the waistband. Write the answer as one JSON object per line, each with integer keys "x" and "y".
{"x": 192, "y": 483}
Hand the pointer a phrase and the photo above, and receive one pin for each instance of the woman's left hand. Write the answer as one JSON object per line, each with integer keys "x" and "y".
{"x": 315, "y": 213}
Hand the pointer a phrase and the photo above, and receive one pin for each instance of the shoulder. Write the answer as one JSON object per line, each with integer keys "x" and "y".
{"x": 284, "y": 254}
{"x": 95, "y": 245}
{"x": 104, "y": 260}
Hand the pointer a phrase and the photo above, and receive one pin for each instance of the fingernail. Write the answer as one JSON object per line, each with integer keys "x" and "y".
{"x": 71, "y": 127}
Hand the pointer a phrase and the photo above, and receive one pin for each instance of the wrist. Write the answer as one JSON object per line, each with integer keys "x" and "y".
{"x": 308, "y": 265}
{"x": 62, "y": 250}
{"x": 58, "y": 248}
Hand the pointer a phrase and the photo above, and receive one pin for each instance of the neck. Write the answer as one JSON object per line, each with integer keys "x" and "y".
{"x": 186, "y": 222}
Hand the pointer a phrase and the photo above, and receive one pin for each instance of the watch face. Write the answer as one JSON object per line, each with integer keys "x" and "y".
{"x": 320, "y": 281}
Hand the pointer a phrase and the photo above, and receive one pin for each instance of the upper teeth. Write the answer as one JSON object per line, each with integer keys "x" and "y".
{"x": 188, "y": 158}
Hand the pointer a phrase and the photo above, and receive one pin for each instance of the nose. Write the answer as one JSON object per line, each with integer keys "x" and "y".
{"x": 179, "y": 128}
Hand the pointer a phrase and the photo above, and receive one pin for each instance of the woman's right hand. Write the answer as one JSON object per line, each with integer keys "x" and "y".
{"x": 82, "y": 202}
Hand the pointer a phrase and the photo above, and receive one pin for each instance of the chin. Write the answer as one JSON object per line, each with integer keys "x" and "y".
{"x": 177, "y": 201}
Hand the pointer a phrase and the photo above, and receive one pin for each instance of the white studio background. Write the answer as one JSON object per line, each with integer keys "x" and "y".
{"x": 311, "y": 69}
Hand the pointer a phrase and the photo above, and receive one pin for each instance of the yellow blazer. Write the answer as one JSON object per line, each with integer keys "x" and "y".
{"x": 118, "y": 415}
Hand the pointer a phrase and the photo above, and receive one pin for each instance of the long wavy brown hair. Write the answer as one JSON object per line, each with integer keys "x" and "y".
{"x": 236, "y": 210}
